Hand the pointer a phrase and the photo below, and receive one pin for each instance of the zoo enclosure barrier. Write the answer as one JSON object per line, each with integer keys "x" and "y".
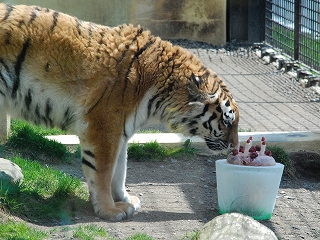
{"x": 294, "y": 27}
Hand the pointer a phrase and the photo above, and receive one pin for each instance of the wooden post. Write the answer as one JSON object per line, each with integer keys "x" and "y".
{"x": 4, "y": 126}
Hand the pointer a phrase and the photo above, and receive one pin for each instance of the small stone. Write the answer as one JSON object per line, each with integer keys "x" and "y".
{"x": 174, "y": 160}
{"x": 289, "y": 197}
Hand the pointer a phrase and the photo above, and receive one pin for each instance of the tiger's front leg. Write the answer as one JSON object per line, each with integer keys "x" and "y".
{"x": 105, "y": 177}
{"x": 119, "y": 192}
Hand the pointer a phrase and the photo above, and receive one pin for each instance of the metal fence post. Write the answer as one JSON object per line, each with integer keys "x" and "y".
{"x": 4, "y": 126}
{"x": 297, "y": 8}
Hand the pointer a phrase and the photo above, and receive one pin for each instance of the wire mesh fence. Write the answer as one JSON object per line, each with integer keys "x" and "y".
{"x": 294, "y": 27}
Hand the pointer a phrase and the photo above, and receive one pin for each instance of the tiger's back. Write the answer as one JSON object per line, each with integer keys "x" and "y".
{"x": 103, "y": 84}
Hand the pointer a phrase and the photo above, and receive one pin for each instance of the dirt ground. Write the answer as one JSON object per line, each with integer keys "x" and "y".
{"x": 179, "y": 196}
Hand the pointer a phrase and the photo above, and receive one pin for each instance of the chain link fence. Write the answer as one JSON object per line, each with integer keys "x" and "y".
{"x": 294, "y": 27}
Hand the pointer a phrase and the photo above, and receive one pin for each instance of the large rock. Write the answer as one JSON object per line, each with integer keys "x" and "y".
{"x": 10, "y": 171}
{"x": 235, "y": 226}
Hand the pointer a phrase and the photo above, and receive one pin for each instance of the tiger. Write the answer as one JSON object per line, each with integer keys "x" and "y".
{"x": 103, "y": 84}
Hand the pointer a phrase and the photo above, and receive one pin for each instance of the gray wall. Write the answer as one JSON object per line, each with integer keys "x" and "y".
{"x": 203, "y": 20}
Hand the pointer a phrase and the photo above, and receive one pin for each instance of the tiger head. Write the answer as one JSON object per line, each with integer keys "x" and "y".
{"x": 210, "y": 112}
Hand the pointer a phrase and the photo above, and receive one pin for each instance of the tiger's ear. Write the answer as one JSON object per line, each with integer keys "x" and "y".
{"x": 194, "y": 84}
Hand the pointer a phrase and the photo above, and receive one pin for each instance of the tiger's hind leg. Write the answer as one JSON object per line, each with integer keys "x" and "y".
{"x": 118, "y": 182}
{"x": 99, "y": 161}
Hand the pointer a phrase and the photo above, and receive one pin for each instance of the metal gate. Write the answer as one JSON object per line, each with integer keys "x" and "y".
{"x": 294, "y": 27}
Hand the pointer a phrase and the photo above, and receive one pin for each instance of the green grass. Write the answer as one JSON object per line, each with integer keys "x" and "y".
{"x": 147, "y": 151}
{"x": 140, "y": 236}
{"x": 154, "y": 151}
{"x": 17, "y": 125}
{"x": 281, "y": 156}
{"x": 43, "y": 193}
{"x": 149, "y": 131}
{"x": 89, "y": 232}
{"x": 191, "y": 236}
{"x": 185, "y": 150}
{"x": 20, "y": 231}
{"x": 30, "y": 143}
{"x": 8, "y": 193}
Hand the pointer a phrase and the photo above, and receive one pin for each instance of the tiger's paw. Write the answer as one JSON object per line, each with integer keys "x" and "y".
{"x": 128, "y": 208}
{"x": 135, "y": 202}
{"x": 120, "y": 212}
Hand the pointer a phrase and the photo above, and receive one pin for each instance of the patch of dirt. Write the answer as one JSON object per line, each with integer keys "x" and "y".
{"x": 180, "y": 196}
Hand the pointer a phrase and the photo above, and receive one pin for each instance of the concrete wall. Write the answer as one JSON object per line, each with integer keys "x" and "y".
{"x": 203, "y": 20}
{"x": 196, "y": 20}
